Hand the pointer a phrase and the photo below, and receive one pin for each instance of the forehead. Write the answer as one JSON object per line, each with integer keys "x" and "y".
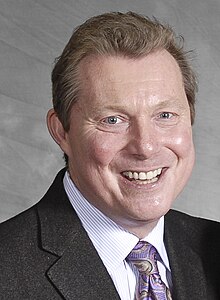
{"x": 120, "y": 77}
{"x": 114, "y": 67}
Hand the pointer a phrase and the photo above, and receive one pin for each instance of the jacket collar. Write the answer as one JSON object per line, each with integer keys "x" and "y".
{"x": 78, "y": 272}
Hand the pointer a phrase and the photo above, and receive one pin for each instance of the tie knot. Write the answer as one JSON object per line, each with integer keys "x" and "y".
{"x": 144, "y": 256}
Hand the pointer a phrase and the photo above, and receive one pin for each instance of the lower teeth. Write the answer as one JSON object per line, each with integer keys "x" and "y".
{"x": 145, "y": 181}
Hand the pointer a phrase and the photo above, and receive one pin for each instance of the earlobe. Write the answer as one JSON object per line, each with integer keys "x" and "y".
{"x": 56, "y": 129}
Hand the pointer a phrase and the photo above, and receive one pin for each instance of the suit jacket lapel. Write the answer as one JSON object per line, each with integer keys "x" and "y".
{"x": 188, "y": 276}
{"x": 78, "y": 272}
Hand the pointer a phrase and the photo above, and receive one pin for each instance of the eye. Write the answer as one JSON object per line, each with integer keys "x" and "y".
{"x": 112, "y": 120}
{"x": 166, "y": 115}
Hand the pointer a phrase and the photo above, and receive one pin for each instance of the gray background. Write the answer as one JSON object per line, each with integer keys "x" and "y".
{"x": 33, "y": 33}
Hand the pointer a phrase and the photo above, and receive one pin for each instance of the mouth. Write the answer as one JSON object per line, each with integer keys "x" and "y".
{"x": 143, "y": 177}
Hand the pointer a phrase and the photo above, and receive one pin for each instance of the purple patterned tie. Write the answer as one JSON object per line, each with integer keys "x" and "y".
{"x": 144, "y": 256}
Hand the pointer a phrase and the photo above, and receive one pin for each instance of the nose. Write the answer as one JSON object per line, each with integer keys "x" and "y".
{"x": 144, "y": 140}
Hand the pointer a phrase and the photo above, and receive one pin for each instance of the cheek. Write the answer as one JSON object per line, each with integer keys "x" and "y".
{"x": 103, "y": 148}
{"x": 186, "y": 157}
{"x": 185, "y": 145}
{"x": 183, "y": 148}
{"x": 181, "y": 143}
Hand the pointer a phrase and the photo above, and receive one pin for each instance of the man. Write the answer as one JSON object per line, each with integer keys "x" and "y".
{"x": 123, "y": 95}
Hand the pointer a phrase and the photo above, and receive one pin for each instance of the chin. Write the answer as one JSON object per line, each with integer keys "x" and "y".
{"x": 152, "y": 212}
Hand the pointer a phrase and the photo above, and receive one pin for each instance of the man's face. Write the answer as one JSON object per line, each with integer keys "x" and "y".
{"x": 130, "y": 142}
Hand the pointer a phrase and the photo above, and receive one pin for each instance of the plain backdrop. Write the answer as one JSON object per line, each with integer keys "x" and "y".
{"x": 34, "y": 32}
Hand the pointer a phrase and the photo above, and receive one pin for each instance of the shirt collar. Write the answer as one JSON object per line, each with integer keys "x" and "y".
{"x": 155, "y": 238}
{"x": 112, "y": 242}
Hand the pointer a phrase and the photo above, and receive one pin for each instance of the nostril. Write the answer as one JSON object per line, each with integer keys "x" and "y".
{"x": 143, "y": 148}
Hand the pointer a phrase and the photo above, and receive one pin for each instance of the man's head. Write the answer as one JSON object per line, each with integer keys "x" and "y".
{"x": 128, "y": 133}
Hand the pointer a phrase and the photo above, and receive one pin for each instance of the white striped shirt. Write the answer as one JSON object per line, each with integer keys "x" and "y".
{"x": 113, "y": 243}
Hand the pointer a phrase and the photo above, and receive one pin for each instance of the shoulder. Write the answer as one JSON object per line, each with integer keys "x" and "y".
{"x": 186, "y": 220}
{"x": 24, "y": 225}
{"x": 18, "y": 247}
{"x": 194, "y": 241}
{"x": 195, "y": 230}
{"x": 18, "y": 229}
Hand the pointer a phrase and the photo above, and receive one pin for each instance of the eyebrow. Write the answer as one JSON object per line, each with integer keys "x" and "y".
{"x": 171, "y": 102}
{"x": 99, "y": 110}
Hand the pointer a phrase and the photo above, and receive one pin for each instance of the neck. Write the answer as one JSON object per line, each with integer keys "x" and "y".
{"x": 141, "y": 229}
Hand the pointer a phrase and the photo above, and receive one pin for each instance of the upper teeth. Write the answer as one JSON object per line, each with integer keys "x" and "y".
{"x": 143, "y": 175}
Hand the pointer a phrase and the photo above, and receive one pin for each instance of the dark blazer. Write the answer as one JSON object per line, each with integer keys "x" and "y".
{"x": 46, "y": 254}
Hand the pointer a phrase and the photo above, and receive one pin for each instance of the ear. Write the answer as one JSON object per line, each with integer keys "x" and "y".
{"x": 56, "y": 130}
